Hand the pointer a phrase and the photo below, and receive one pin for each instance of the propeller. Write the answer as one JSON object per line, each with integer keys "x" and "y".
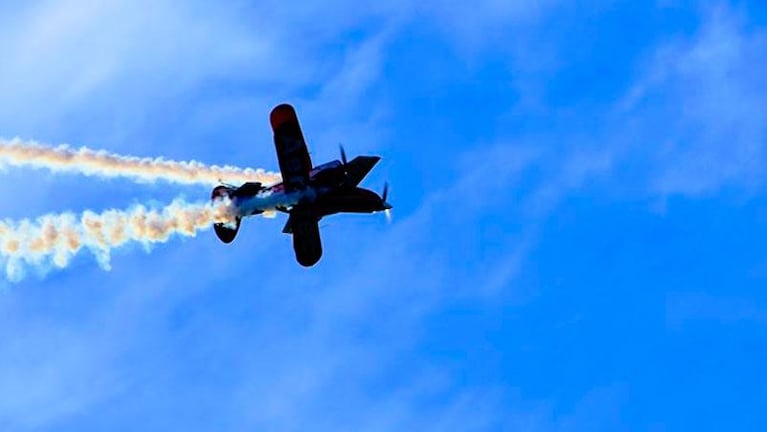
{"x": 387, "y": 207}
{"x": 343, "y": 154}
{"x": 343, "y": 160}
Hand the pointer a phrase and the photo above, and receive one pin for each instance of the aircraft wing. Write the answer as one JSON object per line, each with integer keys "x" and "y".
{"x": 306, "y": 238}
{"x": 358, "y": 168}
{"x": 292, "y": 154}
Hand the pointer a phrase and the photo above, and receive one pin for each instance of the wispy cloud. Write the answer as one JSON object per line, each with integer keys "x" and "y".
{"x": 62, "y": 53}
{"x": 51, "y": 370}
{"x": 704, "y": 101}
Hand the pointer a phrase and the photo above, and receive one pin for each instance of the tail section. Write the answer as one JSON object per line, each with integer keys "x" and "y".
{"x": 225, "y": 232}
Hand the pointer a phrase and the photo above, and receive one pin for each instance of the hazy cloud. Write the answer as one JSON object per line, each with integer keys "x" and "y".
{"x": 705, "y": 100}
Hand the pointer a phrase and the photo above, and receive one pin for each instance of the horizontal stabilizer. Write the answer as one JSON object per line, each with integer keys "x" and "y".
{"x": 225, "y": 232}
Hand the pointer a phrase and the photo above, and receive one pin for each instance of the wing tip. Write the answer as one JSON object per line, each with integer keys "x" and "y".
{"x": 282, "y": 114}
{"x": 308, "y": 261}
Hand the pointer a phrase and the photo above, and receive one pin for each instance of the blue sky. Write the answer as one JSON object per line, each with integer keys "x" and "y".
{"x": 577, "y": 240}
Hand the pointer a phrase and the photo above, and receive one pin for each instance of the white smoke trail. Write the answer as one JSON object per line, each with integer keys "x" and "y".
{"x": 54, "y": 239}
{"x": 64, "y": 158}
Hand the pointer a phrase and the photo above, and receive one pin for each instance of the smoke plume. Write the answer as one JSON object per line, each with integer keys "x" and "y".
{"x": 83, "y": 160}
{"x": 54, "y": 239}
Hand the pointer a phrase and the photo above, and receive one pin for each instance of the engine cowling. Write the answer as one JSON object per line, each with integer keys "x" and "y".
{"x": 225, "y": 232}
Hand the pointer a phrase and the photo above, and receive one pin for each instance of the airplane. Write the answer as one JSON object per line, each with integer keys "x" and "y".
{"x": 307, "y": 194}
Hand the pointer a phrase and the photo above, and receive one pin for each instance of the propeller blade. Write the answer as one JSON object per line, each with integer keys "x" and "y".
{"x": 343, "y": 154}
{"x": 385, "y": 192}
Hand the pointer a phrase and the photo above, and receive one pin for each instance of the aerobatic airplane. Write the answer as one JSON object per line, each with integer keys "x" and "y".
{"x": 306, "y": 193}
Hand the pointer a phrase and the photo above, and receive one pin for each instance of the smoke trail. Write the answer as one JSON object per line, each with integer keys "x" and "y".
{"x": 55, "y": 239}
{"x": 64, "y": 158}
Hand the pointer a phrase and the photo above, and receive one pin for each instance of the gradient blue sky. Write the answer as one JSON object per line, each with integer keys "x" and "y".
{"x": 578, "y": 234}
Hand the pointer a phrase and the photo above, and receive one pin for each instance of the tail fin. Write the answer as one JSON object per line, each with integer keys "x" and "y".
{"x": 225, "y": 232}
